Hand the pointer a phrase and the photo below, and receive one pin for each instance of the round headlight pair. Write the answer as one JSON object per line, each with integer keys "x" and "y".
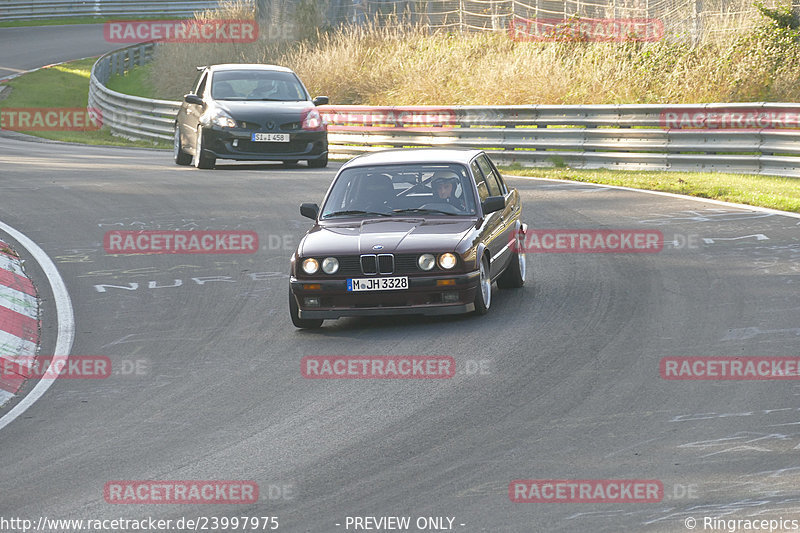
{"x": 330, "y": 265}
{"x": 428, "y": 261}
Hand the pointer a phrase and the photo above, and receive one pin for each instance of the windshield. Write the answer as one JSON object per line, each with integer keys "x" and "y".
{"x": 257, "y": 85}
{"x": 400, "y": 190}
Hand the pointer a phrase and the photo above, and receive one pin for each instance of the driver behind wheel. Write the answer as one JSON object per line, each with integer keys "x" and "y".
{"x": 444, "y": 189}
{"x": 263, "y": 90}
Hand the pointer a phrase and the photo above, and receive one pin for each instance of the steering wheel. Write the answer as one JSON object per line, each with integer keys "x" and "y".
{"x": 442, "y": 206}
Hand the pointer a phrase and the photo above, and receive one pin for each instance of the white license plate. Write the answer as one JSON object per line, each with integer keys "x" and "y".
{"x": 271, "y": 137}
{"x": 377, "y": 284}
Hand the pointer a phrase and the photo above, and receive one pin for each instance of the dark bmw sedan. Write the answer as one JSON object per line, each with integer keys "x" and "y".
{"x": 422, "y": 232}
{"x": 250, "y": 113}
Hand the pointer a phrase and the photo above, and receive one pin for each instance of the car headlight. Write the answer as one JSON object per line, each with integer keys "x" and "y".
{"x": 312, "y": 120}
{"x": 447, "y": 261}
{"x": 218, "y": 118}
{"x": 426, "y": 261}
{"x": 330, "y": 265}
{"x": 310, "y": 265}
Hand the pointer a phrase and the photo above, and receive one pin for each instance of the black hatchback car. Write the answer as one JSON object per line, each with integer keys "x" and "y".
{"x": 250, "y": 112}
{"x": 422, "y": 232}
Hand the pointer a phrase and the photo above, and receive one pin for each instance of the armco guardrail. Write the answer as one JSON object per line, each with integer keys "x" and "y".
{"x": 629, "y": 137}
{"x": 129, "y": 116}
{"x": 48, "y": 9}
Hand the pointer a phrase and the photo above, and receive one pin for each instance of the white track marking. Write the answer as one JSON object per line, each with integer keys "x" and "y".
{"x": 759, "y": 237}
{"x": 64, "y": 316}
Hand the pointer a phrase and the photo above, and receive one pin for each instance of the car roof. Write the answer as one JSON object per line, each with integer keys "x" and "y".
{"x": 248, "y": 66}
{"x": 414, "y": 155}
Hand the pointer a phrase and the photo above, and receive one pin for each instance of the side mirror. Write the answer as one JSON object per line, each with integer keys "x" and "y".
{"x": 192, "y": 99}
{"x": 309, "y": 211}
{"x": 492, "y": 204}
{"x": 321, "y": 100}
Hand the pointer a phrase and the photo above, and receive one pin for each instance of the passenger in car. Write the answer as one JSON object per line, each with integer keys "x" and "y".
{"x": 376, "y": 193}
{"x": 223, "y": 90}
{"x": 444, "y": 189}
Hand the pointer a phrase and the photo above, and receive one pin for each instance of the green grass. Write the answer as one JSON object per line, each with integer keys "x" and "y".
{"x": 763, "y": 191}
{"x": 75, "y": 20}
{"x": 135, "y": 83}
{"x": 65, "y": 85}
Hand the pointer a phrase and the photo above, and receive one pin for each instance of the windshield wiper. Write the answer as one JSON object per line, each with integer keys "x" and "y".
{"x": 426, "y": 210}
{"x": 267, "y": 100}
{"x": 354, "y": 212}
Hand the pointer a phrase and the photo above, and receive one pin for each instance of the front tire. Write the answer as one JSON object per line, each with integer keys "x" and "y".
{"x": 318, "y": 163}
{"x": 302, "y": 323}
{"x": 483, "y": 297}
{"x": 514, "y": 275}
{"x": 199, "y": 160}
{"x": 181, "y": 157}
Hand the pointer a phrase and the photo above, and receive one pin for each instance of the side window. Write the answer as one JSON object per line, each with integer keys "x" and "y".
{"x": 483, "y": 192}
{"x": 201, "y": 85}
{"x": 499, "y": 177}
{"x": 491, "y": 179}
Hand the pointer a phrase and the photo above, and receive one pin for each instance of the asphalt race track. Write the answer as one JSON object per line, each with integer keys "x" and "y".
{"x": 27, "y": 48}
{"x": 559, "y": 381}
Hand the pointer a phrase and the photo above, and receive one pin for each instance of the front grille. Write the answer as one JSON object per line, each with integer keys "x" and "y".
{"x": 372, "y": 264}
{"x": 349, "y": 266}
{"x": 406, "y": 263}
{"x": 385, "y": 263}
{"x": 369, "y": 264}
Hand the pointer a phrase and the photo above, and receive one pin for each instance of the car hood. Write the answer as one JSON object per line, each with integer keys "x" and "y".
{"x": 258, "y": 111}
{"x": 393, "y": 235}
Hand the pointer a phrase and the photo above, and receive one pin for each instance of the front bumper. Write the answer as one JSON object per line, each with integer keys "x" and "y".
{"x": 235, "y": 143}
{"x": 423, "y": 297}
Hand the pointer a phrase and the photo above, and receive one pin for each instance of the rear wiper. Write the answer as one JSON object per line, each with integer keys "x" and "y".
{"x": 354, "y": 212}
{"x": 421, "y": 210}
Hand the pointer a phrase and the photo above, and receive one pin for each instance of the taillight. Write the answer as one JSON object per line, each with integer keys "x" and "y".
{"x": 312, "y": 121}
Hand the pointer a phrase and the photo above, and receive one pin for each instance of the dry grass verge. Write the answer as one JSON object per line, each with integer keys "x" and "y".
{"x": 410, "y": 66}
